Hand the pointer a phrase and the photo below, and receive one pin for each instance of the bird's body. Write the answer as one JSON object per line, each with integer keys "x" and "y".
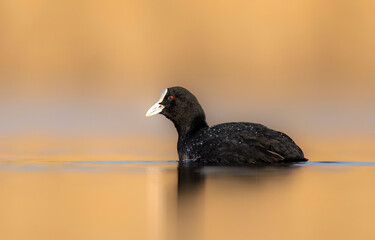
{"x": 239, "y": 143}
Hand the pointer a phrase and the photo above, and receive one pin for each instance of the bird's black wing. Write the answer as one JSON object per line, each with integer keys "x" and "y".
{"x": 244, "y": 143}
{"x": 273, "y": 141}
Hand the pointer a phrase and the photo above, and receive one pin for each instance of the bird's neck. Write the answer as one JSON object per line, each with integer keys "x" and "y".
{"x": 189, "y": 126}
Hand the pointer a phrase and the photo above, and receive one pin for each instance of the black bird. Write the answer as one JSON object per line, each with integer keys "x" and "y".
{"x": 237, "y": 143}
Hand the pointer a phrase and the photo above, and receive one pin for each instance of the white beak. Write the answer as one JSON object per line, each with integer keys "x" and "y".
{"x": 157, "y": 107}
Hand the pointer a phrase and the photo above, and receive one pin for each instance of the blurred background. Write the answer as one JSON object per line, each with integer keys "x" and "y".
{"x": 77, "y": 77}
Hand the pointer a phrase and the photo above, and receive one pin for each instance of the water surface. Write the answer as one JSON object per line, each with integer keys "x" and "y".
{"x": 69, "y": 198}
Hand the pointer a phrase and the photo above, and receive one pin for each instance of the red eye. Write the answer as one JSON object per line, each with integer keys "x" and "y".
{"x": 170, "y": 97}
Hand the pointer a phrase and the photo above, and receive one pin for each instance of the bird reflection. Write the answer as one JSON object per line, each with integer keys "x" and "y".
{"x": 194, "y": 187}
{"x": 191, "y": 177}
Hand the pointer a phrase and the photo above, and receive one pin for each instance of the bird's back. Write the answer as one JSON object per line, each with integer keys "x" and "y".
{"x": 239, "y": 143}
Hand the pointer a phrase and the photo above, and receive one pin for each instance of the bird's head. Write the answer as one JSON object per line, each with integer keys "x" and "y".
{"x": 181, "y": 107}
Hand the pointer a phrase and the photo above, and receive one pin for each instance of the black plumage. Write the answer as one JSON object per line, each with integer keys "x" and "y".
{"x": 237, "y": 143}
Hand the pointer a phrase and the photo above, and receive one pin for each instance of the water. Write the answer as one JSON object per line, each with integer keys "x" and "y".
{"x": 70, "y": 198}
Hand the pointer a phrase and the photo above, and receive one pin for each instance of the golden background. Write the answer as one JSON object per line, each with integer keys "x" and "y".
{"x": 78, "y": 76}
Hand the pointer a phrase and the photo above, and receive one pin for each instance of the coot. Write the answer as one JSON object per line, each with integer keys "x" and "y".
{"x": 233, "y": 143}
